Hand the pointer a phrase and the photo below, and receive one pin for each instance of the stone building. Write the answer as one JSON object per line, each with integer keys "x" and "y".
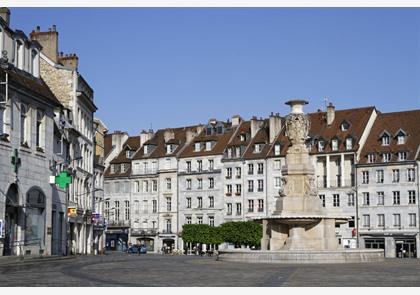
{"x": 31, "y": 209}
{"x": 60, "y": 72}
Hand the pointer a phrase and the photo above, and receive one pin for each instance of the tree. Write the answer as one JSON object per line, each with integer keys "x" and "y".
{"x": 247, "y": 233}
{"x": 201, "y": 233}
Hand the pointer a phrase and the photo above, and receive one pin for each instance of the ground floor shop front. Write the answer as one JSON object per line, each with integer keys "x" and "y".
{"x": 395, "y": 245}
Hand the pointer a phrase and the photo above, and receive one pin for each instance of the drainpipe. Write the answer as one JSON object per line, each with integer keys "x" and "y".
{"x": 357, "y": 203}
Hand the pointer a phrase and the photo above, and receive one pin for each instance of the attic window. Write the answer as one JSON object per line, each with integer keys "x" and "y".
{"x": 124, "y": 167}
{"x": 385, "y": 139}
{"x": 220, "y": 129}
{"x": 129, "y": 154}
{"x": 112, "y": 168}
{"x": 401, "y": 139}
{"x": 238, "y": 151}
{"x": 208, "y": 145}
{"x": 208, "y": 131}
{"x": 344, "y": 126}
{"x": 243, "y": 137}
{"x": 334, "y": 144}
{"x": 321, "y": 145}
{"x": 349, "y": 143}
{"x": 371, "y": 158}
{"x": 169, "y": 148}
{"x": 386, "y": 157}
{"x": 258, "y": 148}
{"x": 197, "y": 147}
{"x": 402, "y": 156}
{"x": 146, "y": 149}
{"x": 277, "y": 150}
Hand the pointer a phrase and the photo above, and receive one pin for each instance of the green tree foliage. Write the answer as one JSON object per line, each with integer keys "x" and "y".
{"x": 247, "y": 233}
{"x": 201, "y": 233}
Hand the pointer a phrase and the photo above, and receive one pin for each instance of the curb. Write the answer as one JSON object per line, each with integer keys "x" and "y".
{"x": 20, "y": 261}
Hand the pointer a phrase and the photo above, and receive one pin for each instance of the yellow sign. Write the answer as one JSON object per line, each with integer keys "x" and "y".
{"x": 71, "y": 212}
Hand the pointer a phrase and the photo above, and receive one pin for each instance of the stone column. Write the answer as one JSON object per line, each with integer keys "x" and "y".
{"x": 390, "y": 247}
{"x": 327, "y": 163}
{"x": 265, "y": 238}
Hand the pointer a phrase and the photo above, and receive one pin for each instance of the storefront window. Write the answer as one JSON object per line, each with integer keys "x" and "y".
{"x": 35, "y": 217}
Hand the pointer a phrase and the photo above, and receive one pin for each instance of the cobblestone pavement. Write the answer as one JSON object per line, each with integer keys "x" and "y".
{"x": 184, "y": 271}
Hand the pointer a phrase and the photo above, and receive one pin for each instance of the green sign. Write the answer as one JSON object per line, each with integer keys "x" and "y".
{"x": 63, "y": 180}
{"x": 16, "y": 161}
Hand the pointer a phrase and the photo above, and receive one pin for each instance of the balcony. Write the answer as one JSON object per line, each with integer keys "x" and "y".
{"x": 136, "y": 232}
{"x": 260, "y": 171}
{"x": 166, "y": 232}
{"x": 118, "y": 223}
{"x": 228, "y": 176}
{"x": 237, "y": 193}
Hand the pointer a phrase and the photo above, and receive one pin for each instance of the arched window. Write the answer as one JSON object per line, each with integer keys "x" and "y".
{"x": 35, "y": 217}
{"x": 24, "y": 125}
{"x": 39, "y": 129}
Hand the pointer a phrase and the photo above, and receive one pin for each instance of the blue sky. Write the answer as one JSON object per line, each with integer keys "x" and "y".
{"x": 170, "y": 67}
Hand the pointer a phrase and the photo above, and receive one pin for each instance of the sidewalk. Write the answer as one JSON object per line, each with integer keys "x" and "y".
{"x": 13, "y": 260}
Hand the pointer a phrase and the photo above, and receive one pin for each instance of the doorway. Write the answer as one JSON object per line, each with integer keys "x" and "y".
{"x": 405, "y": 248}
{"x": 11, "y": 221}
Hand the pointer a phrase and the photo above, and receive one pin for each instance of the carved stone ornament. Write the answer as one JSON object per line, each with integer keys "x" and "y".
{"x": 297, "y": 128}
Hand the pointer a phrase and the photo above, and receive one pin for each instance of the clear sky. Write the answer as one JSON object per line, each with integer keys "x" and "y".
{"x": 171, "y": 67}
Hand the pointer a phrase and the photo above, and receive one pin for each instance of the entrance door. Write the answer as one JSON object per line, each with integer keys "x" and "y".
{"x": 406, "y": 248}
{"x": 10, "y": 231}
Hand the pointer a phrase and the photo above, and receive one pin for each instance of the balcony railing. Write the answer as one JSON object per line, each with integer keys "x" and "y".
{"x": 335, "y": 182}
{"x": 135, "y": 232}
{"x": 166, "y": 231}
{"x": 119, "y": 223}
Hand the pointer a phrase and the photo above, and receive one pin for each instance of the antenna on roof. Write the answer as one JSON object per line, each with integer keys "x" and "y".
{"x": 326, "y": 102}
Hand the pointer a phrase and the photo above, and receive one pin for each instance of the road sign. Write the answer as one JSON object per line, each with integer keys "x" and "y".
{"x": 63, "y": 180}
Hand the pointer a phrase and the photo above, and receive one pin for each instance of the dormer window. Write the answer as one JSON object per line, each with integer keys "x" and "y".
{"x": 146, "y": 149}
{"x": 243, "y": 137}
{"x": 386, "y": 157}
{"x": 124, "y": 167}
{"x": 371, "y": 158}
{"x": 112, "y": 168}
{"x": 219, "y": 129}
{"x": 129, "y": 154}
{"x": 208, "y": 146}
{"x": 229, "y": 152}
{"x": 334, "y": 144}
{"x": 321, "y": 145}
{"x": 238, "y": 151}
{"x": 401, "y": 139}
{"x": 169, "y": 148}
{"x": 402, "y": 156}
{"x": 197, "y": 147}
{"x": 344, "y": 126}
{"x": 277, "y": 150}
{"x": 349, "y": 143}
{"x": 385, "y": 139}
{"x": 258, "y": 148}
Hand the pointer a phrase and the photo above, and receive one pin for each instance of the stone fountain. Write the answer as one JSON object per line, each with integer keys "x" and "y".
{"x": 300, "y": 230}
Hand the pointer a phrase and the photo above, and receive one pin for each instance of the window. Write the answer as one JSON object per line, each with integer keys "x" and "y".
{"x": 277, "y": 164}
{"x": 146, "y": 149}
{"x": 277, "y": 150}
{"x": 228, "y": 190}
{"x": 250, "y": 169}
{"x": 238, "y": 172}
{"x": 188, "y": 202}
{"x": 200, "y": 183}
{"x": 229, "y": 173}
{"x": 385, "y": 139}
{"x": 124, "y": 167}
{"x": 211, "y": 220}
{"x": 145, "y": 167}
{"x": 402, "y": 156}
{"x": 107, "y": 205}
{"x": 200, "y": 219}
{"x": 154, "y": 185}
{"x": 322, "y": 198}
{"x": 365, "y": 177}
{"x": 396, "y": 175}
{"x": 238, "y": 189}
{"x": 371, "y": 158}
{"x": 386, "y": 157}
{"x": 154, "y": 206}
{"x": 145, "y": 186}
{"x": 334, "y": 144}
{"x": 396, "y": 197}
{"x": 129, "y": 154}
{"x": 411, "y": 175}
{"x": 250, "y": 186}
{"x": 117, "y": 210}
{"x": 412, "y": 218}
{"x": 200, "y": 165}
{"x": 39, "y": 129}
{"x": 401, "y": 139}
{"x": 211, "y": 182}
{"x": 411, "y": 197}
{"x": 168, "y": 204}
{"x": 366, "y": 199}
{"x": 277, "y": 181}
{"x": 188, "y": 166}
{"x": 112, "y": 168}
{"x": 238, "y": 208}
{"x": 260, "y": 205}
{"x": 336, "y": 200}
{"x": 321, "y": 146}
{"x": 260, "y": 185}
{"x": 24, "y": 120}
{"x": 397, "y": 220}
{"x": 381, "y": 198}
{"x": 211, "y": 202}
{"x": 145, "y": 206}
{"x": 366, "y": 220}
{"x": 379, "y": 176}
{"x": 229, "y": 153}
{"x": 344, "y": 126}
{"x": 250, "y": 205}
{"x": 238, "y": 151}
{"x": 168, "y": 226}
{"x": 349, "y": 143}
{"x": 189, "y": 184}
{"x": 257, "y": 148}
{"x": 200, "y": 202}
{"x": 260, "y": 168}
{"x": 243, "y": 137}
{"x": 136, "y": 186}
{"x": 229, "y": 209}
{"x": 197, "y": 147}
{"x": 381, "y": 220}
{"x": 188, "y": 219}
{"x": 211, "y": 165}
{"x": 168, "y": 183}
{"x": 208, "y": 146}
{"x": 169, "y": 148}
{"x": 126, "y": 210}
{"x": 350, "y": 200}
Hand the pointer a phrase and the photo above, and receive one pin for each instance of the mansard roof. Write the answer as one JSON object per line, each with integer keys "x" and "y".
{"x": 409, "y": 121}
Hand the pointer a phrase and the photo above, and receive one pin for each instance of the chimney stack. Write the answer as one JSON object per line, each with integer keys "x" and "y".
{"x": 330, "y": 114}
{"x": 255, "y": 125}
{"x": 168, "y": 135}
{"x": 118, "y": 140}
{"x": 48, "y": 41}
{"x": 274, "y": 126}
{"x": 145, "y": 136}
{"x": 5, "y": 15}
{"x": 236, "y": 120}
{"x": 69, "y": 60}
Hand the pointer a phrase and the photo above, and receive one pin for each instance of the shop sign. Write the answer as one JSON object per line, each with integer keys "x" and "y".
{"x": 71, "y": 212}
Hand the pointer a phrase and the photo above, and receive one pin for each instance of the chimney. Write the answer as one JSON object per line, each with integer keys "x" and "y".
{"x": 145, "y": 136}
{"x": 5, "y": 15}
{"x": 48, "y": 41}
{"x": 274, "y": 126}
{"x": 118, "y": 139}
{"x": 69, "y": 60}
{"x": 330, "y": 114}
{"x": 236, "y": 120}
{"x": 255, "y": 126}
{"x": 168, "y": 135}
